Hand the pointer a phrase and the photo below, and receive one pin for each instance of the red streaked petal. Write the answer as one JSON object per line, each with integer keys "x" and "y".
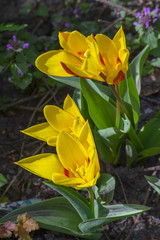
{"x": 68, "y": 70}
{"x": 66, "y": 172}
{"x": 120, "y": 77}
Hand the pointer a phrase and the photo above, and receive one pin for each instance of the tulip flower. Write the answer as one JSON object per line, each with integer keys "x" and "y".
{"x": 69, "y": 119}
{"x": 98, "y": 57}
{"x": 76, "y": 163}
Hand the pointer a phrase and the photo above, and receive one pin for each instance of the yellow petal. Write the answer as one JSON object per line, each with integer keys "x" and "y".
{"x": 41, "y": 64}
{"x": 77, "y": 42}
{"x": 70, "y": 107}
{"x": 93, "y": 167}
{"x": 52, "y": 141}
{"x": 86, "y": 137}
{"x": 77, "y": 126}
{"x": 88, "y": 184}
{"x": 75, "y": 71}
{"x": 107, "y": 49}
{"x": 92, "y": 66}
{"x": 61, "y": 179}
{"x": 54, "y": 63}
{"x": 119, "y": 39}
{"x": 43, "y": 165}
{"x": 70, "y": 151}
{"x": 63, "y": 38}
{"x": 41, "y": 131}
{"x": 58, "y": 118}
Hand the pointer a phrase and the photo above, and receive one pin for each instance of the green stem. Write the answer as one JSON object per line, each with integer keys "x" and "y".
{"x": 117, "y": 108}
{"x": 120, "y": 101}
{"x": 91, "y": 198}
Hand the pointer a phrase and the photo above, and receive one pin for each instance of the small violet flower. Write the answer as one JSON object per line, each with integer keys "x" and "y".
{"x": 156, "y": 10}
{"x": 14, "y": 38}
{"x": 54, "y": 24}
{"x": 75, "y": 11}
{"x": 67, "y": 24}
{"x": 9, "y": 47}
{"x": 146, "y": 11}
{"x": 25, "y": 45}
{"x": 147, "y": 17}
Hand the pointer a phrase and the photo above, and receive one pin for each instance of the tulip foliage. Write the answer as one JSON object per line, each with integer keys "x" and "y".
{"x": 107, "y": 89}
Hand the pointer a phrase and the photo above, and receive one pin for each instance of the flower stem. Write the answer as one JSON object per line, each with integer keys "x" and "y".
{"x": 91, "y": 198}
{"x": 117, "y": 108}
{"x": 120, "y": 101}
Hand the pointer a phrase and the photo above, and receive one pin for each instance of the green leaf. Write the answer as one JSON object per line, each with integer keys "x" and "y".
{"x": 131, "y": 153}
{"x": 148, "y": 152}
{"x": 31, "y": 56}
{"x": 71, "y": 81}
{"x": 77, "y": 200}
{"x": 150, "y": 134}
{"x": 22, "y": 82}
{"x": 42, "y": 11}
{"x": 155, "y": 62}
{"x": 102, "y": 112}
{"x": 150, "y": 39}
{"x": 109, "y": 141}
{"x": 106, "y": 187}
{"x": 55, "y": 214}
{"x": 88, "y": 27}
{"x": 20, "y": 58}
{"x": 154, "y": 182}
{"x": 23, "y": 67}
{"x": 3, "y": 180}
{"x": 137, "y": 66}
{"x": 112, "y": 213}
{"x": 11, "y": 27}
{"x": 129, "y": 94}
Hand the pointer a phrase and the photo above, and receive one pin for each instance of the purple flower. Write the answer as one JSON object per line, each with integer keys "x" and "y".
{"x": 29, "y": 64}
{"x": 19, "y": 70}
{"x": 156, "y": 10}
{"x": 54, "y": 24}
{"x": 75, "y": 11}
{"x": 139, "y": 15}
{"x": 147, "y": 24}
{"x": 46, "y": 49}
{"x": 9, "y": 47}
{"x": 146, "y": 11}
{"x": 14, "y": 38}
{"x": 25, "y": 45}
{"x": 67, "y": 24}
{"x": 135, "y": 23}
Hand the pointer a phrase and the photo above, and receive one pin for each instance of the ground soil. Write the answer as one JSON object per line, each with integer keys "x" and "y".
{"x": 131, "y": 185}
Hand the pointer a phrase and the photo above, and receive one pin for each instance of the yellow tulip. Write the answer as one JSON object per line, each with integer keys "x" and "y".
{"x": 99, "y": 57}
{"x": 69, "y": 119}
{"x": 76, "y": 163}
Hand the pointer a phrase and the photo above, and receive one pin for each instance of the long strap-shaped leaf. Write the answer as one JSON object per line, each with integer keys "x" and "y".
{"x": 77, "y": 200}
{"x": 112, "y": 213}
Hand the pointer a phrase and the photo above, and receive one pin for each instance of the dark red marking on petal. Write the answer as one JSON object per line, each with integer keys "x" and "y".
{"x": 80, "y": 53}
{"x": 93, "y": 37}
{"x": 101, "y": 59}
{"x": 120, "y": 77}
{"x": 66, "y": 172}
{"x": 89, "y": 160}
{"x": 119, "y": 60}
{"x": 68, "y": 70}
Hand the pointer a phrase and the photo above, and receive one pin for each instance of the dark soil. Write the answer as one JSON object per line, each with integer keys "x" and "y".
{"x": 131, "y": 185}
